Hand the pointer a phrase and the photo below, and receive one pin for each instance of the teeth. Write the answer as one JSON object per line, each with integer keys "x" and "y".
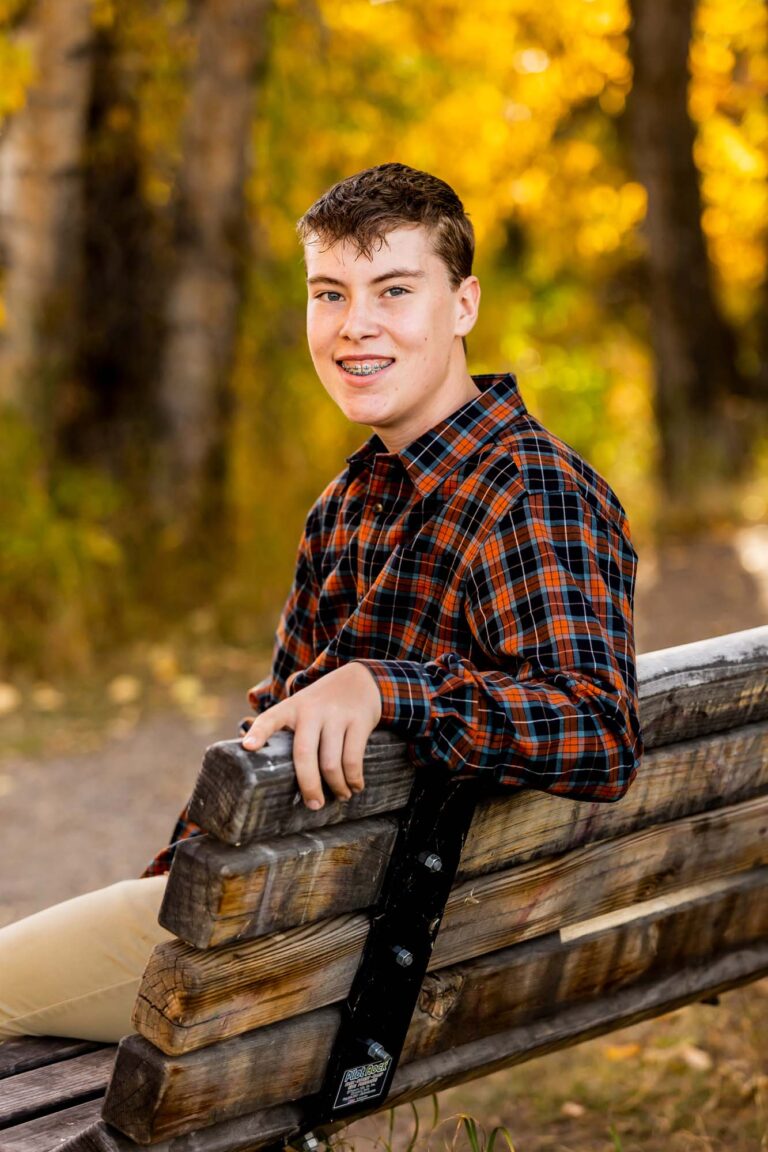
{"x": 364, "y": 368}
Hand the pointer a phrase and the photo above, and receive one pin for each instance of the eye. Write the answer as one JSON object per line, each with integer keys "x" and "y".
{"x": 331, "y": 297}
{"x": 397, "y": 290}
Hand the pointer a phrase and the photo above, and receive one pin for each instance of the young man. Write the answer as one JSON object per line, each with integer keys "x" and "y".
{"x": 467, "y": 580}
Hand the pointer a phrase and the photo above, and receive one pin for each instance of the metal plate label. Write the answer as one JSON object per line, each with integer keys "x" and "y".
{"x": 364, "y": 1082}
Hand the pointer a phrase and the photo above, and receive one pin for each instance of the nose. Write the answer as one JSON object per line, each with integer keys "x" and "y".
{"x": 359, "y": 320}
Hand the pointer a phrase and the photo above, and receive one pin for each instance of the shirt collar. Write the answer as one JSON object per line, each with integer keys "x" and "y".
{"x": 438, "y": 452}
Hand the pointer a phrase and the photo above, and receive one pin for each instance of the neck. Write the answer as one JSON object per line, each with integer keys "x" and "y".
{"x": 458, "y": 391}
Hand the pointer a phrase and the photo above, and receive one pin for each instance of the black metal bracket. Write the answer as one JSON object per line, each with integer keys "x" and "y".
{"x": 404, "y": 925}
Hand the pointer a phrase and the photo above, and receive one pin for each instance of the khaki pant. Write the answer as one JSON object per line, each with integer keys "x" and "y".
{"x": 74, "y": 969}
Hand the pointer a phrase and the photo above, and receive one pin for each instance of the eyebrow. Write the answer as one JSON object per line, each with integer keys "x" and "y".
{"x": 392, "y": 274}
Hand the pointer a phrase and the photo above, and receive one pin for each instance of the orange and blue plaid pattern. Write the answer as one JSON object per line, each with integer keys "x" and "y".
{"x": 485, "y": 577}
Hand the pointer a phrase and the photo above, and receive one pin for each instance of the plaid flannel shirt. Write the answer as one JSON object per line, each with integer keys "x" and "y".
{"x": 485, "y": 577}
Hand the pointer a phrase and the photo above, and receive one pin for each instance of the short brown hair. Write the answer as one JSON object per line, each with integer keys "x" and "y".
{"x": 365, "y": 207}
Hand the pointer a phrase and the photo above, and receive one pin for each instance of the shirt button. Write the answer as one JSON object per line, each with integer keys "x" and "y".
{"x": 378, "y": 508}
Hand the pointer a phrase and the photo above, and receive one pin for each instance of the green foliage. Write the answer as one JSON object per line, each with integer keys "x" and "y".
{"x": 476, "y": 1137}
{"x": 467, "y": 1131}
{"x": 62, "y": 575}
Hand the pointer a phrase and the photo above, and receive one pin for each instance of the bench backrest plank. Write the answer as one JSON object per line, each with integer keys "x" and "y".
{"x": 218, "y": 892}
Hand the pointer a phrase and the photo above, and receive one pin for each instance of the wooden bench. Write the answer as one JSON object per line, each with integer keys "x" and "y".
{"x": 566, "y": 920}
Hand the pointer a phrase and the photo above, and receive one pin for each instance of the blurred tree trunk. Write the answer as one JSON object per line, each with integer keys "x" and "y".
{"x": 110, "y": 415}
{"x": 211, "y": 244}
{"x": 703, "y": 438}
{"x": 41, "y": 214}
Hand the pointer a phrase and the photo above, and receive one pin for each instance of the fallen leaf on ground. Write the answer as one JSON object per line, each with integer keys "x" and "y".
{"x": 621, "y": 1051}
{"x": 186, "y": 691}
{"x": 696, "y": 1058}
{"x": 46, "y": 698}
{"x": 10, "y": 699}
{"x": 124, "y": 689}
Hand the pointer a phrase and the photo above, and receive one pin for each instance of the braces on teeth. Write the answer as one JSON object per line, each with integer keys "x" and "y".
{"x": 364, "y": 369}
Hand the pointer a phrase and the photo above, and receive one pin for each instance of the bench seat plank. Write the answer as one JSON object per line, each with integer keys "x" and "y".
{"x": 190, "y": 997}
{"x": 678, "y": 950}
{"x": 217, "y": 892}
{"x": 52, "y": 1131}
{"x": 25, "y": 1052}
{"x": 48, "y": 1088}
{"x": 236, "y": 1135}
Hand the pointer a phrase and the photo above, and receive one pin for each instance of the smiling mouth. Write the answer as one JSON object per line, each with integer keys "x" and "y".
{"x": 364, "y": 367}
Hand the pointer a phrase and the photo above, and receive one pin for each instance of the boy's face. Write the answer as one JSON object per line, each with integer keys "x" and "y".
{"x": 385, "y": 333}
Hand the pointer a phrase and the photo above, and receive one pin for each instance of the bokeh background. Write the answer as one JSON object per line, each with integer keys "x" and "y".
{"x": 162, "y": 433}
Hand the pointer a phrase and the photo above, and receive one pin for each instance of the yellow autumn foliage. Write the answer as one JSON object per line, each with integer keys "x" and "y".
{"x": 517, "y": 104}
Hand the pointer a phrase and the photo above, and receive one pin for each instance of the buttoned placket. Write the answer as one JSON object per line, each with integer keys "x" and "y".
{"x": 382, "y": 508}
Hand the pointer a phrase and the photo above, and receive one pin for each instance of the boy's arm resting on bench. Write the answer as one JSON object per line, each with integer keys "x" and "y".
{"x": 552, "y": 615}
{"x": 557, "y": 709}
{"x": 550, "y": 699}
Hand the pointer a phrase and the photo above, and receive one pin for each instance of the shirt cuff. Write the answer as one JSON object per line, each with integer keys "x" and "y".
{"x": 404, "y": 687}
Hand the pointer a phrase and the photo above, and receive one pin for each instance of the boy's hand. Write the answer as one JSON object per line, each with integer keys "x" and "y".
{"x": 331, "y": 721}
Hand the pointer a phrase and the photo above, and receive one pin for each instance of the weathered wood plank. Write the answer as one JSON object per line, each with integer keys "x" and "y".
{"x": 689, "y": 691}
{"x": 217, "y": 892}
{"x": 240, "y": 795}
{"x": 191, "y": 997}
{"x": 668, "y": 956}
{"x": 54, "y": 1130}
{"x": 41, "y": 1090}
{"x": 703, "y": 687}
{"x": 572, "y": 1025}
{"x": 235, "y": 1135}
{"x": 527, "y": 982}
{"x": 548, "y": 895}
{"x": 154, "y": 1097}
{"x": 25, "y": 1052}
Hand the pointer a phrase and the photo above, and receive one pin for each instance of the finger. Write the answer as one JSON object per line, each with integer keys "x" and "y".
{"x": 329, "y": 759}
{"x": 265, "y": 725}
{"x": 355, "y": 740}
{"x": 245, "y": 724}
{"x": 306, "y": 740}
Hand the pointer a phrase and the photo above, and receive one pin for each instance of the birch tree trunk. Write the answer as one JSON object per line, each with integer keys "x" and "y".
{"x": 206, "y": 287}
{"x": 41, "y": 217}
{"x": 703, "y": 441}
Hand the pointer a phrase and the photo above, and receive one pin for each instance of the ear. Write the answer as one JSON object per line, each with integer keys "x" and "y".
{"x": 467, "y": 305}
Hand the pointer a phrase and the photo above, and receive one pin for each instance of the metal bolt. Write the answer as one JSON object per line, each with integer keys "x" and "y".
{"x": 375, "y": 1050}
{"x": 431, "y": 862}
{"x": 308, "y": 1142}
{"x": 402, "y": 956}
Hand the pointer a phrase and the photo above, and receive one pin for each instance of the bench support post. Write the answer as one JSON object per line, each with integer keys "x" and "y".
{"x": 404, "y": 925}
